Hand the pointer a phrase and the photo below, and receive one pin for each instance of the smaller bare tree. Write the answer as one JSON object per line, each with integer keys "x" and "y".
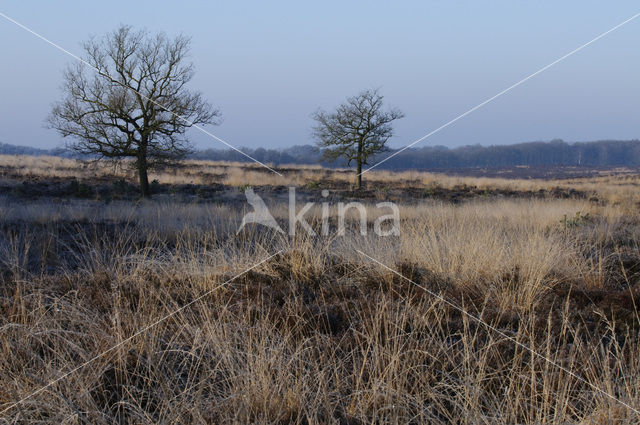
{"x": 135, "y": 102}
{"x": 356, "y": 130}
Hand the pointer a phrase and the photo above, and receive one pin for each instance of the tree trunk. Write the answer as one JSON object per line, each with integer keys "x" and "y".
{"x": 142, "y": 173}
{"x": 359, "y": 165}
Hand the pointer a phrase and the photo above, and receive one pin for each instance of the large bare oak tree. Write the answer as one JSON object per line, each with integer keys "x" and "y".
{"x": 356, "y": 130}
{"x": 134, "y": 103}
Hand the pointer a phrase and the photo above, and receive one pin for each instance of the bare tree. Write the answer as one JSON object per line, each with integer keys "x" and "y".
{"x": 356, "y": 130}
{"x": 134, "y": 103}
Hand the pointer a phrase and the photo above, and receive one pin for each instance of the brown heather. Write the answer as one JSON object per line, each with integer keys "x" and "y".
{"x": 319, "y": 334}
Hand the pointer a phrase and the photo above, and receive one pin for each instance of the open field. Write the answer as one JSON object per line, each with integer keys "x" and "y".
{"x": 318, "y": 333}
{"x": 32, "y": 177}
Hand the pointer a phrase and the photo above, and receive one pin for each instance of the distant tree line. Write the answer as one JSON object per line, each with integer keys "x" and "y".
{"x": 299, "y": 154}
{"x": 8, "y": 149}
{"x": 557, "y": 152}
{"x": 604, "y": 153}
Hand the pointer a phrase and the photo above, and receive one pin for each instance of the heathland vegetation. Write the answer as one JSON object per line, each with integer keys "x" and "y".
{"x": 319, "y": 332}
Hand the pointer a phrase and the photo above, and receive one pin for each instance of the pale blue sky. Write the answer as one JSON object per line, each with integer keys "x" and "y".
{"x": 269, "y": 65}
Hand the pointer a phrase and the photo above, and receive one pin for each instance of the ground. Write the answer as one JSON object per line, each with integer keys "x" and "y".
{"x": 500, "y": 301}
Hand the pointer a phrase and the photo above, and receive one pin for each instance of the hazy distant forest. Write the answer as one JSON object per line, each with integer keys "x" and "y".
{"x": 557, "y": 152}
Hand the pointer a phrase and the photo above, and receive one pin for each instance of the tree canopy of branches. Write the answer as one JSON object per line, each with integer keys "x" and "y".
{"x": 134, "y": 103}
{"x": 356, "y": 130}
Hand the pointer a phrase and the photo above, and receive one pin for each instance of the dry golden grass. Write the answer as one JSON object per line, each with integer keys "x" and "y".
{"x": 319, "y": 334}
{"x": 616, "y": 186}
